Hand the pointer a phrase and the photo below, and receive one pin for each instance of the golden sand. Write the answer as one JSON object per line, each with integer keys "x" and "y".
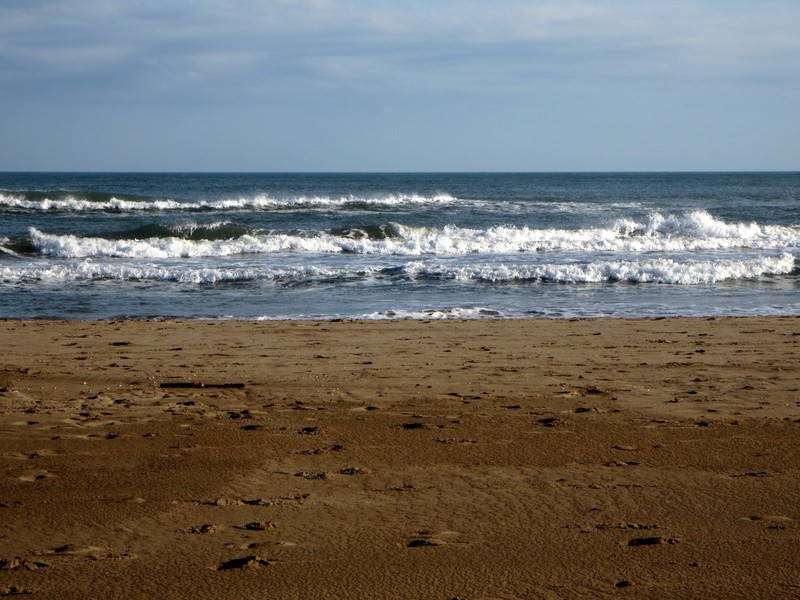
{"x": 406, "y": 459}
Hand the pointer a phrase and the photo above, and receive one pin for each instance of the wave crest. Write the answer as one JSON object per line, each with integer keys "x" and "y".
{"x": 647, "y": 271}
{"x": 65, "y": 202}
{"x": 694, "y": 231}
{"x": 663, "y": 270}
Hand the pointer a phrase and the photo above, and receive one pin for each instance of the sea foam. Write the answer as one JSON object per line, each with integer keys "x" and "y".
{"x": 75, "y": 203}
{"x": 694, "y": 231}
{"x": 663, "y": 270}
{"x": 650, "y": 270}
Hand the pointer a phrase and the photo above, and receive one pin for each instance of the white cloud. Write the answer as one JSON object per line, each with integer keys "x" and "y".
{"x": 448, "y": 44}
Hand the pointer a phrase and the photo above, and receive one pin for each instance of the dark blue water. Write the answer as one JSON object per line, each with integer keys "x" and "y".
{"x": 398, "y": 245}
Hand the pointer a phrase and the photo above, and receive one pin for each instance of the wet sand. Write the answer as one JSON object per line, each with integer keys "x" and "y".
{"x": 405, "y": 459}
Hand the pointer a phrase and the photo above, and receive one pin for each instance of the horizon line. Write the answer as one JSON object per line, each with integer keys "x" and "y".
{"x": 410, "y": 172}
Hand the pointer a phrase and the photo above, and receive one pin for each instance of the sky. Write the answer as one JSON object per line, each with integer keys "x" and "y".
{"x": 419, "y": 85}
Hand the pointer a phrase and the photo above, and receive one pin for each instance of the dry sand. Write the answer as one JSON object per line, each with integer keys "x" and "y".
{"x": 408, "y": 459}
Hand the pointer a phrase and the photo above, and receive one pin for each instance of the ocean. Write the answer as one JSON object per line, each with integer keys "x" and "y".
{"x": 391, "y": 246}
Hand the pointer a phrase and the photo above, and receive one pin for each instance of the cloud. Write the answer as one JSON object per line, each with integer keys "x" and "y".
{"x": 242, "y": 49}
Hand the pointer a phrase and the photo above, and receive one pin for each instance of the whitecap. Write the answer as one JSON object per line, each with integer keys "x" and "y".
{"x": 691, "y": 232}
{"x": 656, "y": 270}
{"x": 72, "y": 203}
{"x": 645, "y": 271}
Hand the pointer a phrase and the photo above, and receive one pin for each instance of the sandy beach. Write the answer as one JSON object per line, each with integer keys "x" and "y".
{"x": 403, "y": 459}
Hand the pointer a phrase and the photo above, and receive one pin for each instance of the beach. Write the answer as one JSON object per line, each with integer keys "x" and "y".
{"x": 400, "y": 459}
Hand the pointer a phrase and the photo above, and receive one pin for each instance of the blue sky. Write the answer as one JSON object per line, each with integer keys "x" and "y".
{"x": 331, "y": 85}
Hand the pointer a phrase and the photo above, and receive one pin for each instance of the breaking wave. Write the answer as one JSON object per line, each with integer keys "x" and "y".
{"x": 656, "y": 270}
{"x": 689, "y": 232}
{"x": 664, "y": 270}
{"x": 87, "y": 202}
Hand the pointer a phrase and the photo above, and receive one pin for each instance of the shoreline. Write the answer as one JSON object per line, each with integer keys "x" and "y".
{"x": 655, "y": 456}
{"x": 339, "y": 319}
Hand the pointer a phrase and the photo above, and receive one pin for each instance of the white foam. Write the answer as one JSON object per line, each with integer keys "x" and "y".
{"x": 656, "y": 270}
{"x": 257, "y": 202}
{"x": 692, "y": 231}
{"x": 76, "y": 204}
{"x": 695, "y": 231}
{"x": 70, "y": 246}
{"x": 653, "y": 270}
{"x": 90, "y": 270}
{"x": 389, "y": 200}
{"x": 401, "y": 314}
{"x": 459, "y": 312}
{"x": 191, "y": 227}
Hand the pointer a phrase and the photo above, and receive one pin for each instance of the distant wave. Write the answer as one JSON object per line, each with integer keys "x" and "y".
{"x": 692, "y": 231}
{"x": 651, "y": 270}
{"x": 76, "y": 202}
{"x": 86, "y": 202}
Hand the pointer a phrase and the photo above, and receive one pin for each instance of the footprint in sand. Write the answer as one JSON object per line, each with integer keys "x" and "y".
{"x": 413, "y": 425}
{"x": 36, "y": 476}
{"x": 259, "y": 526}
{"x": 92, "y": 552}
{"x": 771, "y": 521}
{"x": 31, "y": 455}
{"x": 352, "y": 471}
{"x": 14, "y": 590}
{"x": 427, "y": 538}
{"x": 16, "y": 563}
{"x": 623, "y": 583}
{"x": 651, "y": 541}
{"x": 202, "y": 529}
{"x": 310, "y": 430}
{"x": 422, "y": 542}
{"x": 307, "y": 475}
{"x": 325, "y": 450}
{"x": 246, "y": 562}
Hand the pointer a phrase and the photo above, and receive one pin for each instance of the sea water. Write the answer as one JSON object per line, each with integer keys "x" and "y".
{"x": 412, "y": 245}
